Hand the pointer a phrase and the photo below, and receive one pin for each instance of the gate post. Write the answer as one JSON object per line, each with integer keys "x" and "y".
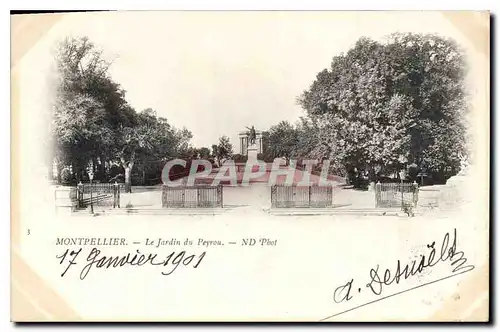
{"x": 79, "y": 194}
{"x": 273, "y": 196}
{"x": 116, "y": 195}
{"x": 415, "y": 193}
{"x": 309, "y": 196}
{"x": 330, "y": 196}
{"x": 220, "y": 197}
{"x": 378, "y": 188}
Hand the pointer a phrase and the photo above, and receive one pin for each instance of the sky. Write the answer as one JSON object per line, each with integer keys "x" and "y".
{"x": 217, "y": 72}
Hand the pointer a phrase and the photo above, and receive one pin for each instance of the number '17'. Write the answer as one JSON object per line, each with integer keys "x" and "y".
{"x": 71, "y": 258}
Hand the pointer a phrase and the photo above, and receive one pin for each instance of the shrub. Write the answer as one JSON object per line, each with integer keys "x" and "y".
{"x": 408, "y": 209}
{"x": 265, "y": 157}
{"x": 66, "y": 176}
{"x": 238, "y": 158}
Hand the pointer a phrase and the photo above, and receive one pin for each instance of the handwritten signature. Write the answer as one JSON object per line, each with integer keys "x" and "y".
{"x": 95, "y": 259}
{"x": 379, "y": 280}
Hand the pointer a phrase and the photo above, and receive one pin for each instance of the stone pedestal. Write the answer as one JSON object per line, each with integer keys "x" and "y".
{"x": 252, "y": 152}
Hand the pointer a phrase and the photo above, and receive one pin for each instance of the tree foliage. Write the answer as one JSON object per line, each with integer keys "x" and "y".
{"x": 94, "y": 127}
{"x": 387, "y": 105}
{"x": 282, "y": 140}
{"x": 225, "y": 148}
{"x": 378, "y": 108}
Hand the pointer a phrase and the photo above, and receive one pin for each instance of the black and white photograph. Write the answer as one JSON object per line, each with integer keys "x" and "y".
{"x": 245, "y": 166}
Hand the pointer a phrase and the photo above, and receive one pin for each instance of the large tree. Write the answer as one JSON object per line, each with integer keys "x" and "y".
{"x": 94, "y": 126}
{"x": 88, "y": 108}
{"x": 145, "y": 139}
{"x": 224, "y": 149}
{"x": 282, "y": 140}
{"x": 382, "y": 106}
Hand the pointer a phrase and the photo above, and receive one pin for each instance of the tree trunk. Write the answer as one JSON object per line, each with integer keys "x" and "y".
{"x": 128, "y": 171}
{"x": 95, "y": 168}
{"x": 371, "y": 174}
{"x": 372, "y": 178}
{"x": 102, "y": 168}
{"x": 76, "y": 171}
{"x": 128, "y": 179}
{"x": 59, "y": 169}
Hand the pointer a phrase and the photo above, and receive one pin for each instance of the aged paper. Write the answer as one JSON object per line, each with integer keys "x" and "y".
{"x": 278, "y": 166}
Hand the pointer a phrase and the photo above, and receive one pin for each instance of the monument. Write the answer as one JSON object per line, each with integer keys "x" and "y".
{"x": 251, "y": 143}
{"x": 251, "y": 147}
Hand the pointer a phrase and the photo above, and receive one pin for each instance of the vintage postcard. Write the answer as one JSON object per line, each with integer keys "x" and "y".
{"x": 250, "y": 166}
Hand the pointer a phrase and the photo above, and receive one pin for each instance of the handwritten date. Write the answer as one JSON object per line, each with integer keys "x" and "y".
{"x": 96, "y": 260}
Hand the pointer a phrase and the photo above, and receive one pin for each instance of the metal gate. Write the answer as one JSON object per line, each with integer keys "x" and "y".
{"x": 301, "y": 197}
{"x": 389, "y": 195}
{"x": 192, "y": 197}
{"x": 98, "y": 194}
